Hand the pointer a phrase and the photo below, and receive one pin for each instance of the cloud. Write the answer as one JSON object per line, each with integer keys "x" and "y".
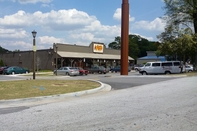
{"x": 117, "y": 15}
{"x": 12, "y": 34}
{"x": 54, "y": 20}
{"x": 71, "y": 25}
{"x": 155, "y": 25}
{"x": 50, "y": 40}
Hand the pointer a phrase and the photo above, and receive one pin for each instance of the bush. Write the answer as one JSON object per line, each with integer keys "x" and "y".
{"x": 1, "y": 62}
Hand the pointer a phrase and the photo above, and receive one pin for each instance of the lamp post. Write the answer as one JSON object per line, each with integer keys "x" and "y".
{"x": 34, "y": 53}
{"x": 56, "y": 59}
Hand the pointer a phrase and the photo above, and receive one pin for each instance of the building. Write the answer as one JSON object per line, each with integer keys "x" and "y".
{"x": 151, "y": 56}
{"x": 95, "y": 54}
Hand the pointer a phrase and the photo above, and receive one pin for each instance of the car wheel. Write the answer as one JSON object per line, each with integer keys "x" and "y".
{"x": 99, "y": 72}
{"x": 67, "y": 73}
{"x": 136, "y": 70}
{"x": 189, "y": 71}
{"x": 167, "y": 72}
{"x": 26, "y": 72}
{"x": 13, "y": 73}
{"x": 144, "y": 73}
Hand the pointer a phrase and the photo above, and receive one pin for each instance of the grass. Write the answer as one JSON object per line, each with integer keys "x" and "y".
{"x": 35, "y": 88}
{"x": 194, "y": 73}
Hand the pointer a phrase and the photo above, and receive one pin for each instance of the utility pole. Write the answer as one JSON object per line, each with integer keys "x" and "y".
{"x": 124, "y": 37}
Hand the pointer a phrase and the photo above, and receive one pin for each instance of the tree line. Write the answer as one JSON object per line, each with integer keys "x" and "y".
{"x": 137, "y": 45}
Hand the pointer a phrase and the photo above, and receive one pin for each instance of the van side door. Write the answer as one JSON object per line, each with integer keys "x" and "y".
{"x": 177, "y": 67}
{"x": 156, "y": 67}
{"x": 167, "y": 66}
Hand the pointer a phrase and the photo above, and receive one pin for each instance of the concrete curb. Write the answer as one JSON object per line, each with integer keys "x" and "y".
{"x": 52, "y": 98}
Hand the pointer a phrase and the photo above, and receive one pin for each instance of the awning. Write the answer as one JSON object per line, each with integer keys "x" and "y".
{"x": 90, "y": 55}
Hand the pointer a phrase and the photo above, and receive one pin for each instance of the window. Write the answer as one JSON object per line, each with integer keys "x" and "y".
{"x": 148, "y": 64}
{"x": 176, "y": 63}
{"x": 167, "y": 64}
{"x": 156, "y": 64}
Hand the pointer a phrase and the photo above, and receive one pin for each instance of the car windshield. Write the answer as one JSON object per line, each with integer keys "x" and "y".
{"x": 148, "y": 64}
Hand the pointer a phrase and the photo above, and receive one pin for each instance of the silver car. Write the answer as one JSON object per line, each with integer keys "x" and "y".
{"x": 72, "y": 71}
{"x": 189, "y": 68}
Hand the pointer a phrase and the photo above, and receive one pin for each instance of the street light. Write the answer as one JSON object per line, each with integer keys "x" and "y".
{"x": 56, "y": 59}
{"x": 34, "y": 53}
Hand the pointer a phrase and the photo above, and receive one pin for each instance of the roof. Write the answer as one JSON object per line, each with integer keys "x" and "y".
{"x": 90, "y": 55}
{"x": 162, "y": 58}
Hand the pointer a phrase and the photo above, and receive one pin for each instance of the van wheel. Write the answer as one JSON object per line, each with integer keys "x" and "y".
{"x": 167, "y": 72}
{"x": 144, "y": 73}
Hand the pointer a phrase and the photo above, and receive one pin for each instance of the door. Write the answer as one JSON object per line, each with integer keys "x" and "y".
{"x": 156, "y": 68}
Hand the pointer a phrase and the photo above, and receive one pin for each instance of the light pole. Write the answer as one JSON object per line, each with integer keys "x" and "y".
{"x": 34, "y": 53}
{"x": 56, "y": 59}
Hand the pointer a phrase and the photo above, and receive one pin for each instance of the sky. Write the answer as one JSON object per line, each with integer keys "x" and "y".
{"x": 77, "y": 22}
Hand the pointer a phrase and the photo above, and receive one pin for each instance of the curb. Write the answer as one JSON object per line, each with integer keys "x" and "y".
{"x": 52, "y": 98}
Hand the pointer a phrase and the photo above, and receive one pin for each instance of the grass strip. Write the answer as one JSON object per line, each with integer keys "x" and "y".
{"x": 35, "y": 88}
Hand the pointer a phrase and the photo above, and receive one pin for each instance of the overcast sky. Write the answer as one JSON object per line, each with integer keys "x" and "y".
{"x": 74, "y": 21}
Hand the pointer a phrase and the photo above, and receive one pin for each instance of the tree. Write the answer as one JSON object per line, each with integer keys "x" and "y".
{"x": 137, "y": 45}
{"x": 181, "y": 13}
{"x": 180, "y": 31}
{"x": 1, "y": 62}
{"x": 2, "y": 50}
{"x": 184, "y": 45}
{"x": 116, "y": 44}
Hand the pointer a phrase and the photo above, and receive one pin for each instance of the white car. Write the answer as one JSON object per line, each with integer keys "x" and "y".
{"x": 189, "y": 68}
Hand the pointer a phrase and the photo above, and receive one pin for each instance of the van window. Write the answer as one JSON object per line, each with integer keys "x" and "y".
{"x": 148, "y": 64}
{"x": 156, "y": 64}
{"x": 176, "y": 63}
{"x": 167, "y": 64}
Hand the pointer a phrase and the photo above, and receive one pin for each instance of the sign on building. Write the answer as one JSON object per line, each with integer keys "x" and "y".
{"x": 98, "y": 48}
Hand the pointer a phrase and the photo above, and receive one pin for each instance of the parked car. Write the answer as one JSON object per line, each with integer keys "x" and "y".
{"x": 2, "y": 69}
{"x": 15, "y": 70}
{"x": 118, "y": 69}
{"x": 72, "y": 71}
{"x": 98, "y": 69}
{"x": 137, "y": 67}
{"x": 189, "y": 68}
{"x": 82, "y": 71}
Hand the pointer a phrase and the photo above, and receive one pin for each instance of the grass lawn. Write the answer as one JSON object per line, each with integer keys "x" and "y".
{"x": 35, "y": 88}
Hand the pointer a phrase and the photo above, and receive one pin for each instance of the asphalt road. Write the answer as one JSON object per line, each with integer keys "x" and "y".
{"x": 114, "y": 79}
{"x": 163, "y": 106}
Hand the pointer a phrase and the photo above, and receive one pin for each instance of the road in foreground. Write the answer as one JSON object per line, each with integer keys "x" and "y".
{"x": 164, "y": 106}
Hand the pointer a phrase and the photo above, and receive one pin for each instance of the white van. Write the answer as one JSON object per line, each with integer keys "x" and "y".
{"x": 161, "y": 67}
